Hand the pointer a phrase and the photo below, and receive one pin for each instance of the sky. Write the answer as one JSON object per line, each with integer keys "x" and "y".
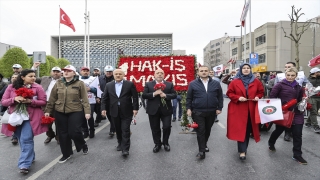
{"x": 29, "y": 24}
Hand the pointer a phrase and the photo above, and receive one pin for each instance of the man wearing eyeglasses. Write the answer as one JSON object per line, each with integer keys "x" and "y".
{"x": 103, "y": 80}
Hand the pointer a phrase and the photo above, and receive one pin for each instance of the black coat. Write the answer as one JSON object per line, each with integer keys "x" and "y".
{"x": 128, "y": 99}
{"x": 154, "y": 103}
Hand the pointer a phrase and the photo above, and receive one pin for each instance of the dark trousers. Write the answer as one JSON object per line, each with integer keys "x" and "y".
{"x": 243, "y": 146}
{"x": 122, "y": 126}
{"x": 112, "y": 123}
{"x": 90, "y": 121}
{"x": 70, "y": 129}
{"x": 97, "y": 110}
{"x": 175, "y": 103}
{"x": 155, "y": 127}
{"x": 205, "y": 120}
{"x": 50, "y": 133}
{"x": 296, "y": 136}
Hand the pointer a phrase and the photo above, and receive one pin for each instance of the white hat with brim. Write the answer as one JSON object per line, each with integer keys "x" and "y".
{"x": 17, "y": 66}
{"x": 314, "y": 70}
{"x": 56, "y": 69}
{"x": 108, "y": 68}
{"x": 70, "y": 68}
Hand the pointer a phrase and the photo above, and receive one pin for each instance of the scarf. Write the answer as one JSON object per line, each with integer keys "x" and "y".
{"x": 75, "y": 78}
{"x": 246, "y": 79}
{"x": 292, "y": 84}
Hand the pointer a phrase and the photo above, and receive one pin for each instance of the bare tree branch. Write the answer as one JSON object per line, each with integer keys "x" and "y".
{"x": 285, "y": 34}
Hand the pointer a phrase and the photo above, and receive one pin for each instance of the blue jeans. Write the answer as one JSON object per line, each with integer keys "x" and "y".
{"x": 174, "y": 106}
{"x": 25, "y": 137}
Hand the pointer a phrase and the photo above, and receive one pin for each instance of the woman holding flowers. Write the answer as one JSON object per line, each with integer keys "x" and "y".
{"x": 29, "y": 104}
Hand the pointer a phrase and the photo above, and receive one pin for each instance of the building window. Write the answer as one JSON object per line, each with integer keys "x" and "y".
{"x": 247, "y": 46}
{"x": 217, "y": 44}
{"x": 262, "y": 58}
{"x": 218, "y": 49}
{"x": 260, "y": 40}
{"x": 234, "y": 51}
{"x": 212, "y": 46}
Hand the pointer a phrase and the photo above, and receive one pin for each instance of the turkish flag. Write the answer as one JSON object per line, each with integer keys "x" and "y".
{"x": 314, "y": 61}
{"x": 64, "y": 19}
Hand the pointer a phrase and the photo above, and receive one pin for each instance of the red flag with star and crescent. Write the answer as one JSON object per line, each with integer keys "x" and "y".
{"x": 64, "y": 19}
{"x": 314, "y": 61}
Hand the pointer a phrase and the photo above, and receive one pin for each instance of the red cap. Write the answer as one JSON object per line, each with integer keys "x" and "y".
{"x": 85, "y": 68}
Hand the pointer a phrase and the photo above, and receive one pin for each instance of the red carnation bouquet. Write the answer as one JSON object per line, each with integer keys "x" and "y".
{"x": 161, "y": 86}
{"x": 26, "y": 93}
{"x": 47, "y": 120}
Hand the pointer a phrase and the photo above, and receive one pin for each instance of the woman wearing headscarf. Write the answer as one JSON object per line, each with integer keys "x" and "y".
{"x": 69, "y": 103}
{"x": 286, "y": 90}
{"x": 244, "y": 92}
{"x": 32, "y": 126}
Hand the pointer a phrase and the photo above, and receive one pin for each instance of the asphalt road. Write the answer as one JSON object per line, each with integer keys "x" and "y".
{"x": 222, "y": 162}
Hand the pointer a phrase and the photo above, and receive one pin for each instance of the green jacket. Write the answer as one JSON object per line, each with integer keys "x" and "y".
{"x": 67, "y": 97}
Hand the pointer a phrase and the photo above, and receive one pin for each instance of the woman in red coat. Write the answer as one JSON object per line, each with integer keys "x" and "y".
{"x": 243, "y": 91}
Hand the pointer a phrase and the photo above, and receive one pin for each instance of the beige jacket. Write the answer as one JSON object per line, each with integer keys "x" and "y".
{"x": 67, "y": 99}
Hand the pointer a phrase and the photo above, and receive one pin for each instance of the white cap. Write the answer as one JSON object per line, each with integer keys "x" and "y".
{"x": 17, "y": 66}
{"x": 70, "y": 68}
{"x": 96, "y": 69}
{"x": 314, "y": 70}
{"x": 108, "y": 68}
{"x": 56, "y": 69}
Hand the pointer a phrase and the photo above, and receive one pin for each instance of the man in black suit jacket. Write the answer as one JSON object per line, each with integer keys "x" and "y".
{"x": 158, "y": 111}
{"x": 123, "y": 98}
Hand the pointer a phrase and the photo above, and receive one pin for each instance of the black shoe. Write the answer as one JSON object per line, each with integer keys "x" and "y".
{"x": 167, "y": 147}
{"x": 64, "y": 159}
{"x": 48, "y": 140}
{"x": 207, "y": 149}
{"x": 24, "y": 171}
{"x": 242, "y": 158}
{"x": 96, "y": 124}
{"x": 217, "y": 120}
{"x": 201, "y": 155}
{"x": 272, "y": 148}
{"x": 85, "y": 135}
{"x": 307, "y": 125}
{"x": 125, "y": 153}
{"x": 91, "y": 135}
{"x": 174, "y": 119}
{"x": 287, "y": 137}
{"x": 119, "y": 147}
{"x": 179, "y": 119}
{"x": 14, "y": 141}
{"x": 300, "y": 160}
{"x": 111, "y": 134}
{"x": 156, "y": 148}
{"x": 85, "y": 149}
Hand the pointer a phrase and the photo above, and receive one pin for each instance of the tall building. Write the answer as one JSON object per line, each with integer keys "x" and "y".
{"x": 218, "y": 51}
{"x": 274, "y": 49}
{"x": 4, "y": 48}
{"x": 105, "y": 49}
{"x": 179, "y": 52}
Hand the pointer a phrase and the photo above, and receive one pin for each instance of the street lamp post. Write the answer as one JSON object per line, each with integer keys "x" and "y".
{"x": 241, "y": 41}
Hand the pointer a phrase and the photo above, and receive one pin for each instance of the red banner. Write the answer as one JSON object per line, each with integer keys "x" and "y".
{"x": 177, "y": 69}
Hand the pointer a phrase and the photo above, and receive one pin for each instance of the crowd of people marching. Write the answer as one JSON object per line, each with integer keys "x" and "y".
{"x": 69, "y": 98}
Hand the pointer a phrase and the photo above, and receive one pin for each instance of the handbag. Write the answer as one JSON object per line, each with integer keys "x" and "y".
{"x": 287, "y": 119}
{"x": 5, "y": 117}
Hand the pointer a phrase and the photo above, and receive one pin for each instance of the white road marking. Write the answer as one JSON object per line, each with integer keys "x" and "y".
{"x": 221, "y": 125}
{"x": 55, "y": 161}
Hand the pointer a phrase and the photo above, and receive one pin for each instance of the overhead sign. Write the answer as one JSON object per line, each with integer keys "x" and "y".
{"x": 254, "y": 58}
{"x": 39, "y": 56}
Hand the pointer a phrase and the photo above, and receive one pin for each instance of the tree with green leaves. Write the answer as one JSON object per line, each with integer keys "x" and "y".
{"x": 13, "y": 56}
{"x": 52, "y": 61}
{"x": 62, "y": 62}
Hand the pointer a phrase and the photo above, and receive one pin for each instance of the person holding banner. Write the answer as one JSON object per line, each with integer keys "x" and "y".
{"x": 301, "y": 80}
{"x": 287, "y": 90}
{"x": 244, "y": 92}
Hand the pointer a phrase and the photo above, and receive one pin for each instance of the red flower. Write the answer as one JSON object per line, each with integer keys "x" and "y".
{"x": 47, "y": 120}
{"x": 24, "y": 92}
{"x": 159, "y": 86}
{"x": 309, "y": 106}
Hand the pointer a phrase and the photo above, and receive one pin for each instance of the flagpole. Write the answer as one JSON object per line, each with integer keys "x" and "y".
{"x": 250, "y": 45}
{"x": 59, "y": 35}
{"x": 245, "y": 41}
{"x": 88, "y": 39}
{"x": 85, "y": 34}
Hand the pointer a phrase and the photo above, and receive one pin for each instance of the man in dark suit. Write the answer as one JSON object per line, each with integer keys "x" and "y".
{"x": 158, "y": 111}
{"x": 123, "y": 98}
